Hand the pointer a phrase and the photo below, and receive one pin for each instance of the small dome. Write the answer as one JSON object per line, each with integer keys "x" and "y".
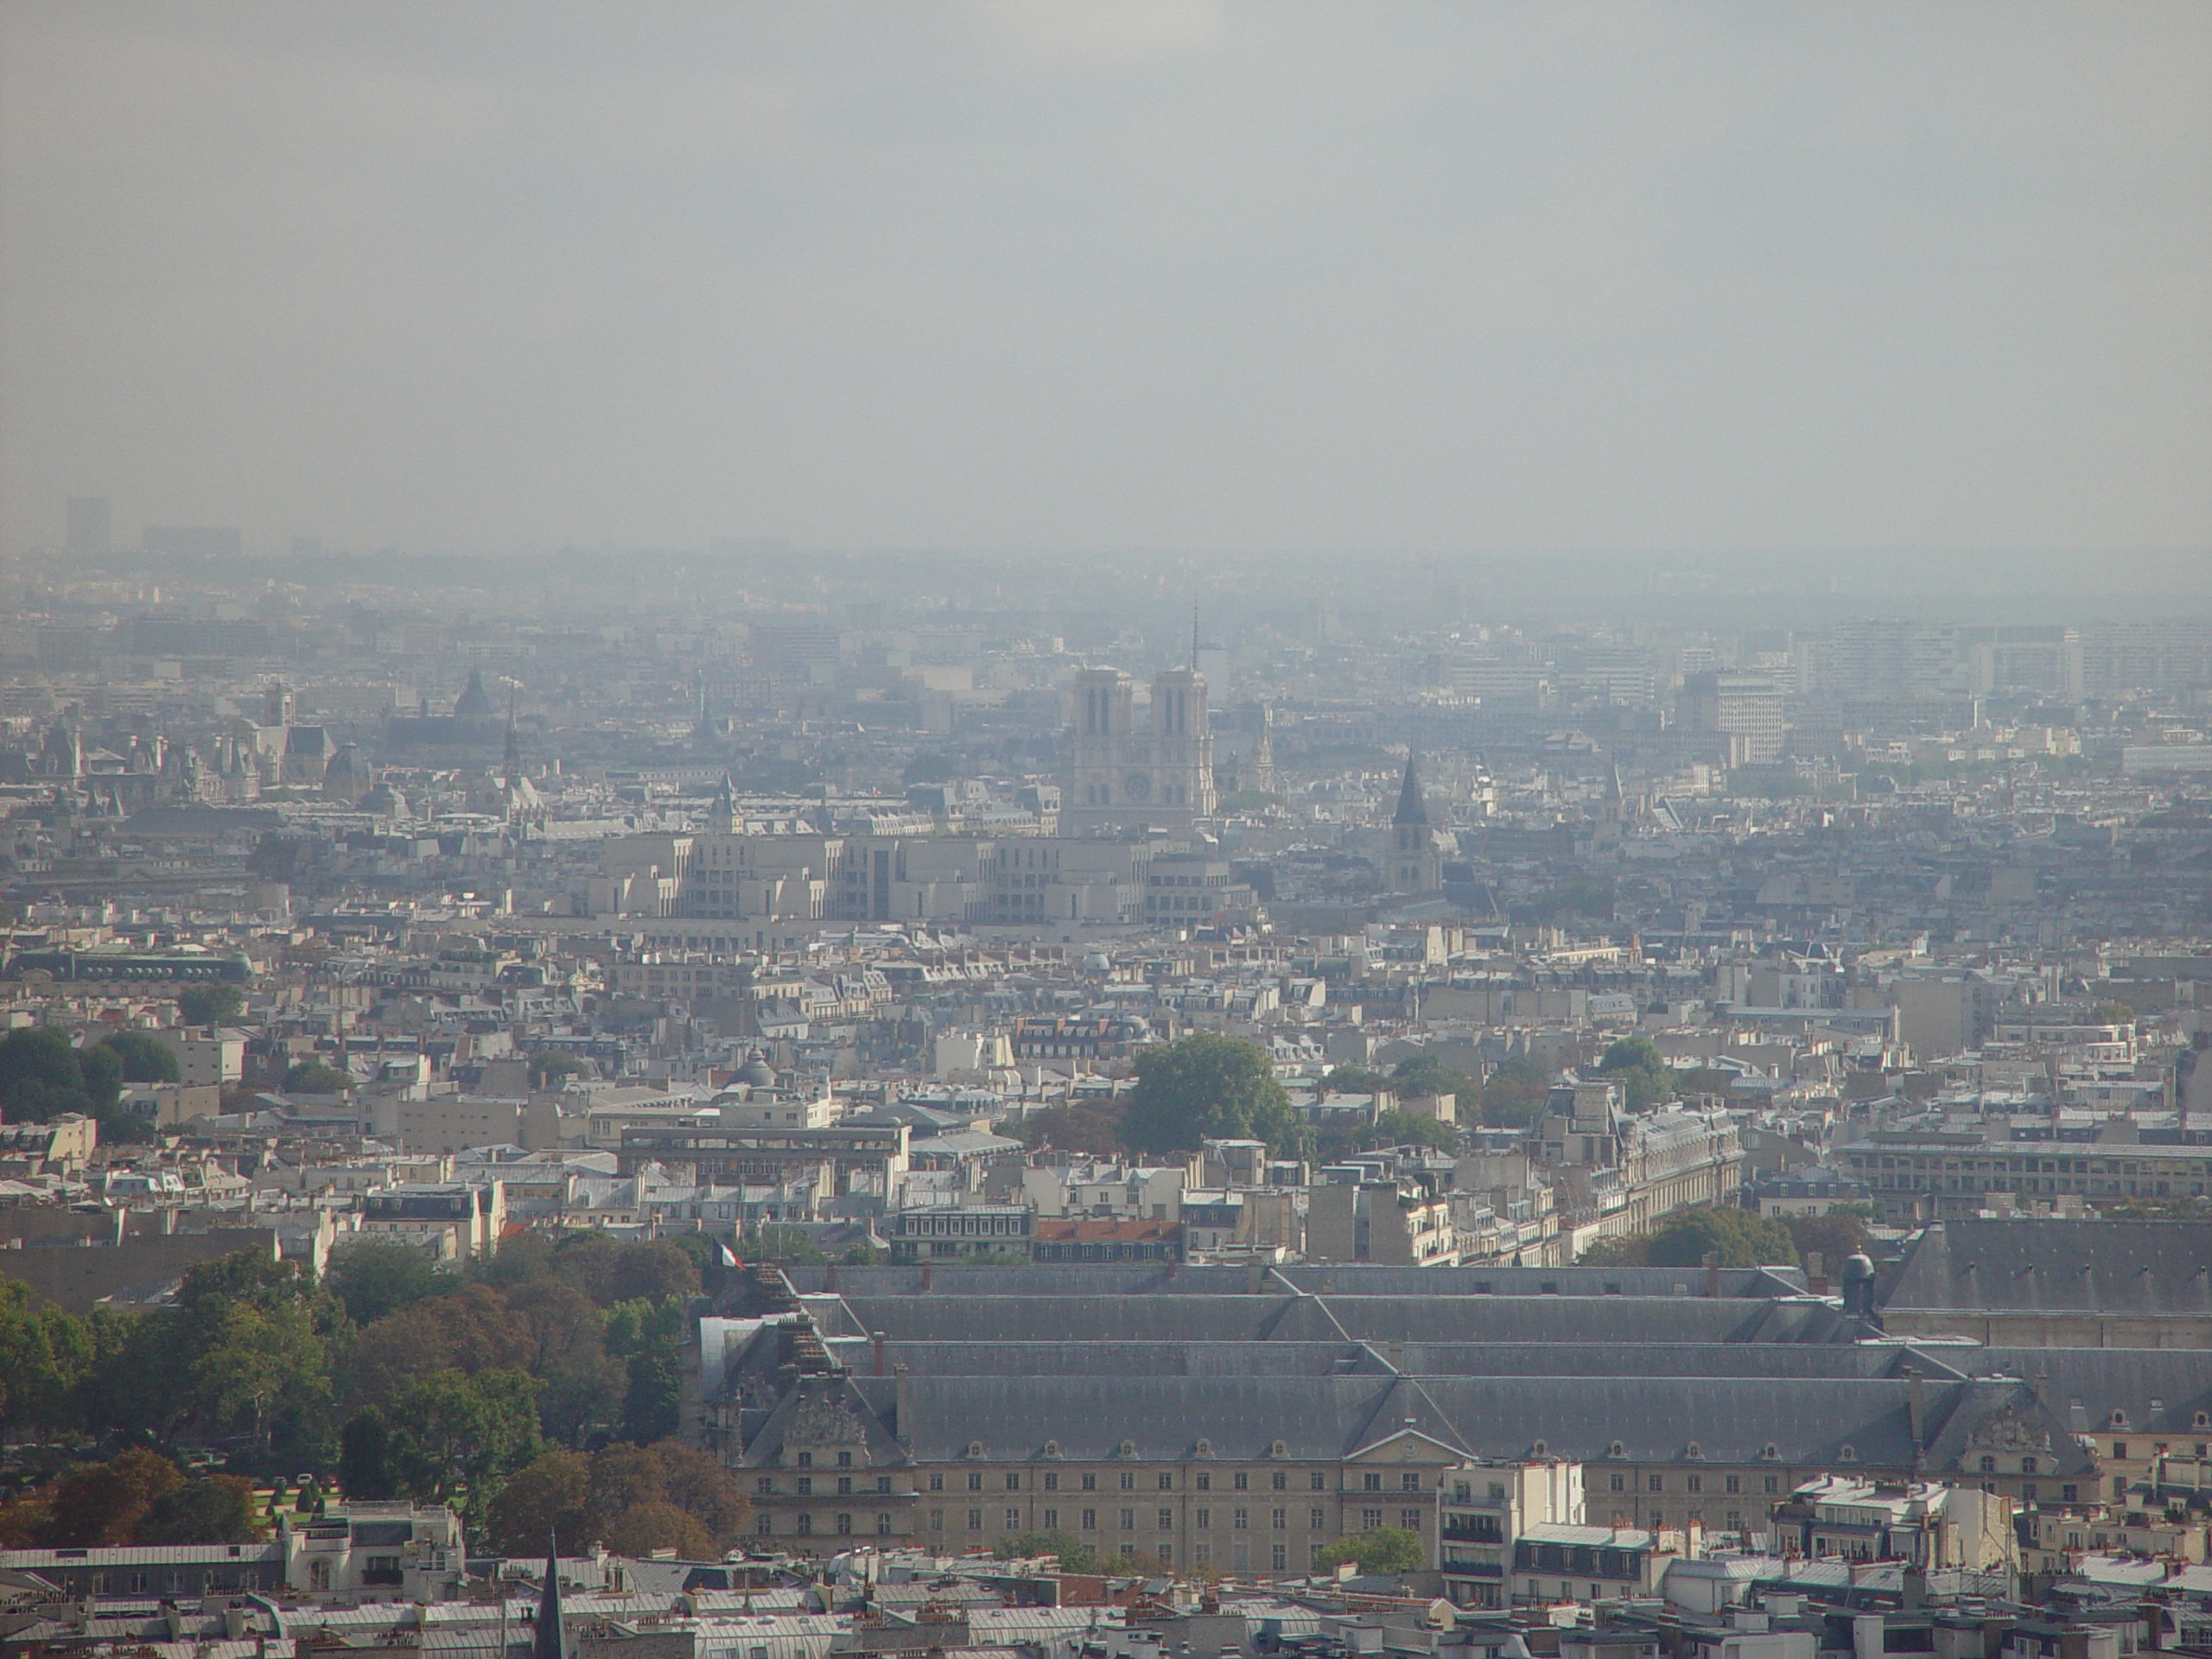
{"x": 1858, "y": 1266}
{"x": 1097, "y": 962}
{"x": 756, "y": 1073}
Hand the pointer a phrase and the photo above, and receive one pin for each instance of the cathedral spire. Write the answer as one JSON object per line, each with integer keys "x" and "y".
{"x": 1412, "y": 805}
{"x": 549, "y": 1638}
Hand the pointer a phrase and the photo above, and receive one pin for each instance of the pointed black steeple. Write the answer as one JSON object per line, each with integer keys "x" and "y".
{"x": 550, "y": 1639}
{"x": 1412, "y": 805}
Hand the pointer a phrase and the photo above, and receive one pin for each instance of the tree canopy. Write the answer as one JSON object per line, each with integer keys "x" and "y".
{"x": 1683, "y": 1238}
{"x": 1207, "y": 1087}
{"x": 1513, "y": 1095}
{"x": 1378, "y": 1552}
{"x": 209, "y": 1005}
{"x": 313, "y": 1078}
{"x": 144, "y": 1059}
{"x": 634, "y": 1499}
{"x": 1646, "y": 1079}
{"x": 137, "y": 1496}
{"x": 44, "y": 1075}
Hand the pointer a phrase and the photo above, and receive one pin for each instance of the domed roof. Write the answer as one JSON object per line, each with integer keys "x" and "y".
{"x": 1858, "y": 1267}
{"x": 756, "y": 1073}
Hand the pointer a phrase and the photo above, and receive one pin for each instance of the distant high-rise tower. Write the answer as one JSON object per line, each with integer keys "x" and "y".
{"x": 1158, "y": 776}
{"x": 89, "y": 526}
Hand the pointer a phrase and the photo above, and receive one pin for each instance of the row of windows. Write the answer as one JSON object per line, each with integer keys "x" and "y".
{"x": 1239, "y": 1480}
{"x": 1278, "y": 1520}
{"x": 764, "y": 1524}
{"x": 1696, "y": 1483}
{"x": 804, "y": 1485}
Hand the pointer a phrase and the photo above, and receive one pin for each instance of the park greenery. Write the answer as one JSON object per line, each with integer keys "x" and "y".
{"x": 1645, "y": 1079}
{"x": 1206, "y": 1087}
{"x": 209, "y": 1005}
{"x": 137, "y": 1496}
{"x": 1737, "y": 1238}
{"x": 1380, "y": 1552}
{"x": 43, "y": 1076}
{"x": 410, "y": 1378}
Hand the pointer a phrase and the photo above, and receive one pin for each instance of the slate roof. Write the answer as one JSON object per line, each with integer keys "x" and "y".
{"x": 1570, "y": 1358}
{"x": 1656, "y": 1419}
{"x": 1346, "y": 1278}
{"x": 1077, "y": 1358}
{"x": 1567, "y": 1318}
{"x": 2158, "y": 1389}
{"x": 1163, "y": 1417}
{"x": 1041, "y": 1318}
{"x": 1326, "y": 1319}
{"x": 2115, "y": 1268}
{"x": 1729, "y": 1420}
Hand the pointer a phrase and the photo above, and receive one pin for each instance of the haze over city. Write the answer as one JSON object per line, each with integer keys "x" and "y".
{"x": 1488, "y": 278}
{"x": 1100, "y": 831}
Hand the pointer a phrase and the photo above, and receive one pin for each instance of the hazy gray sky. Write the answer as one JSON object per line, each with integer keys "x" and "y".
{"x": 1440, "y": 276}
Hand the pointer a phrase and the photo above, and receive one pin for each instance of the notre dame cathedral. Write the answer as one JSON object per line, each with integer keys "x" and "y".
{"x": 1157, "y": 776}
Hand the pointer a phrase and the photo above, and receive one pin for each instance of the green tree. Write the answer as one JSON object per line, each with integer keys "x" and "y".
{"x": 549, "y": 1496}
{"x": 45, "y": 1354}
{"x": 1379, "y": 1551}
{"x": 144, "y": 1059}
{"x": 1512, "y": 1097}
{"x": 214, "y": 1509}
{"x": 698, "y": 1484}
{"x": 1402, "y": 1129}
{"x": 376, "y": 1276}
{"x": 650, "y": 1335}
{"x": 1419, "y": 1074}
{"x": 644, "y": 1528}
{"x": 100, "y": 1505}
{"x": 472, "y": 1330}
{"x": 313, "y": 1078}
{"x": 1084, "y": 1126}
{"x": 579, "y": 1384}
{"x": 1073, "y": 1555}
{"x": 365, "y": 1451}
{"x": 44, "y": 1075}
{"x": 135, "y": 1382}
{"x": 261, "y": 1361}
{"x": 254, "y": 1344}
{"x": 1685, "y": 1238}
{"x": 520, "y": 1259}
{"x": 1207, "y": 1087}
{"x": 1835, "y": 1237}
{"x": 2112, "y": 1013}
{"x": 1646, "y": 1079}
{"x": 1738, "y": 1237}
{"x": 458, "y": 1433}
{"x": 209, "y": 1005}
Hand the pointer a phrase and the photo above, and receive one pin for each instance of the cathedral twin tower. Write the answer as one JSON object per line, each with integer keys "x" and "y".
{"x": 1160, "y": 775}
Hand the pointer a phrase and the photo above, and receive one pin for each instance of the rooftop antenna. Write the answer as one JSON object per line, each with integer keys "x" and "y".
{"x": 1194, "y": 634}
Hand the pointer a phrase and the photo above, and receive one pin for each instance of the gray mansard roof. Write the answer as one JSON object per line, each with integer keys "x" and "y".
{"x": 2116, "y": 1268}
